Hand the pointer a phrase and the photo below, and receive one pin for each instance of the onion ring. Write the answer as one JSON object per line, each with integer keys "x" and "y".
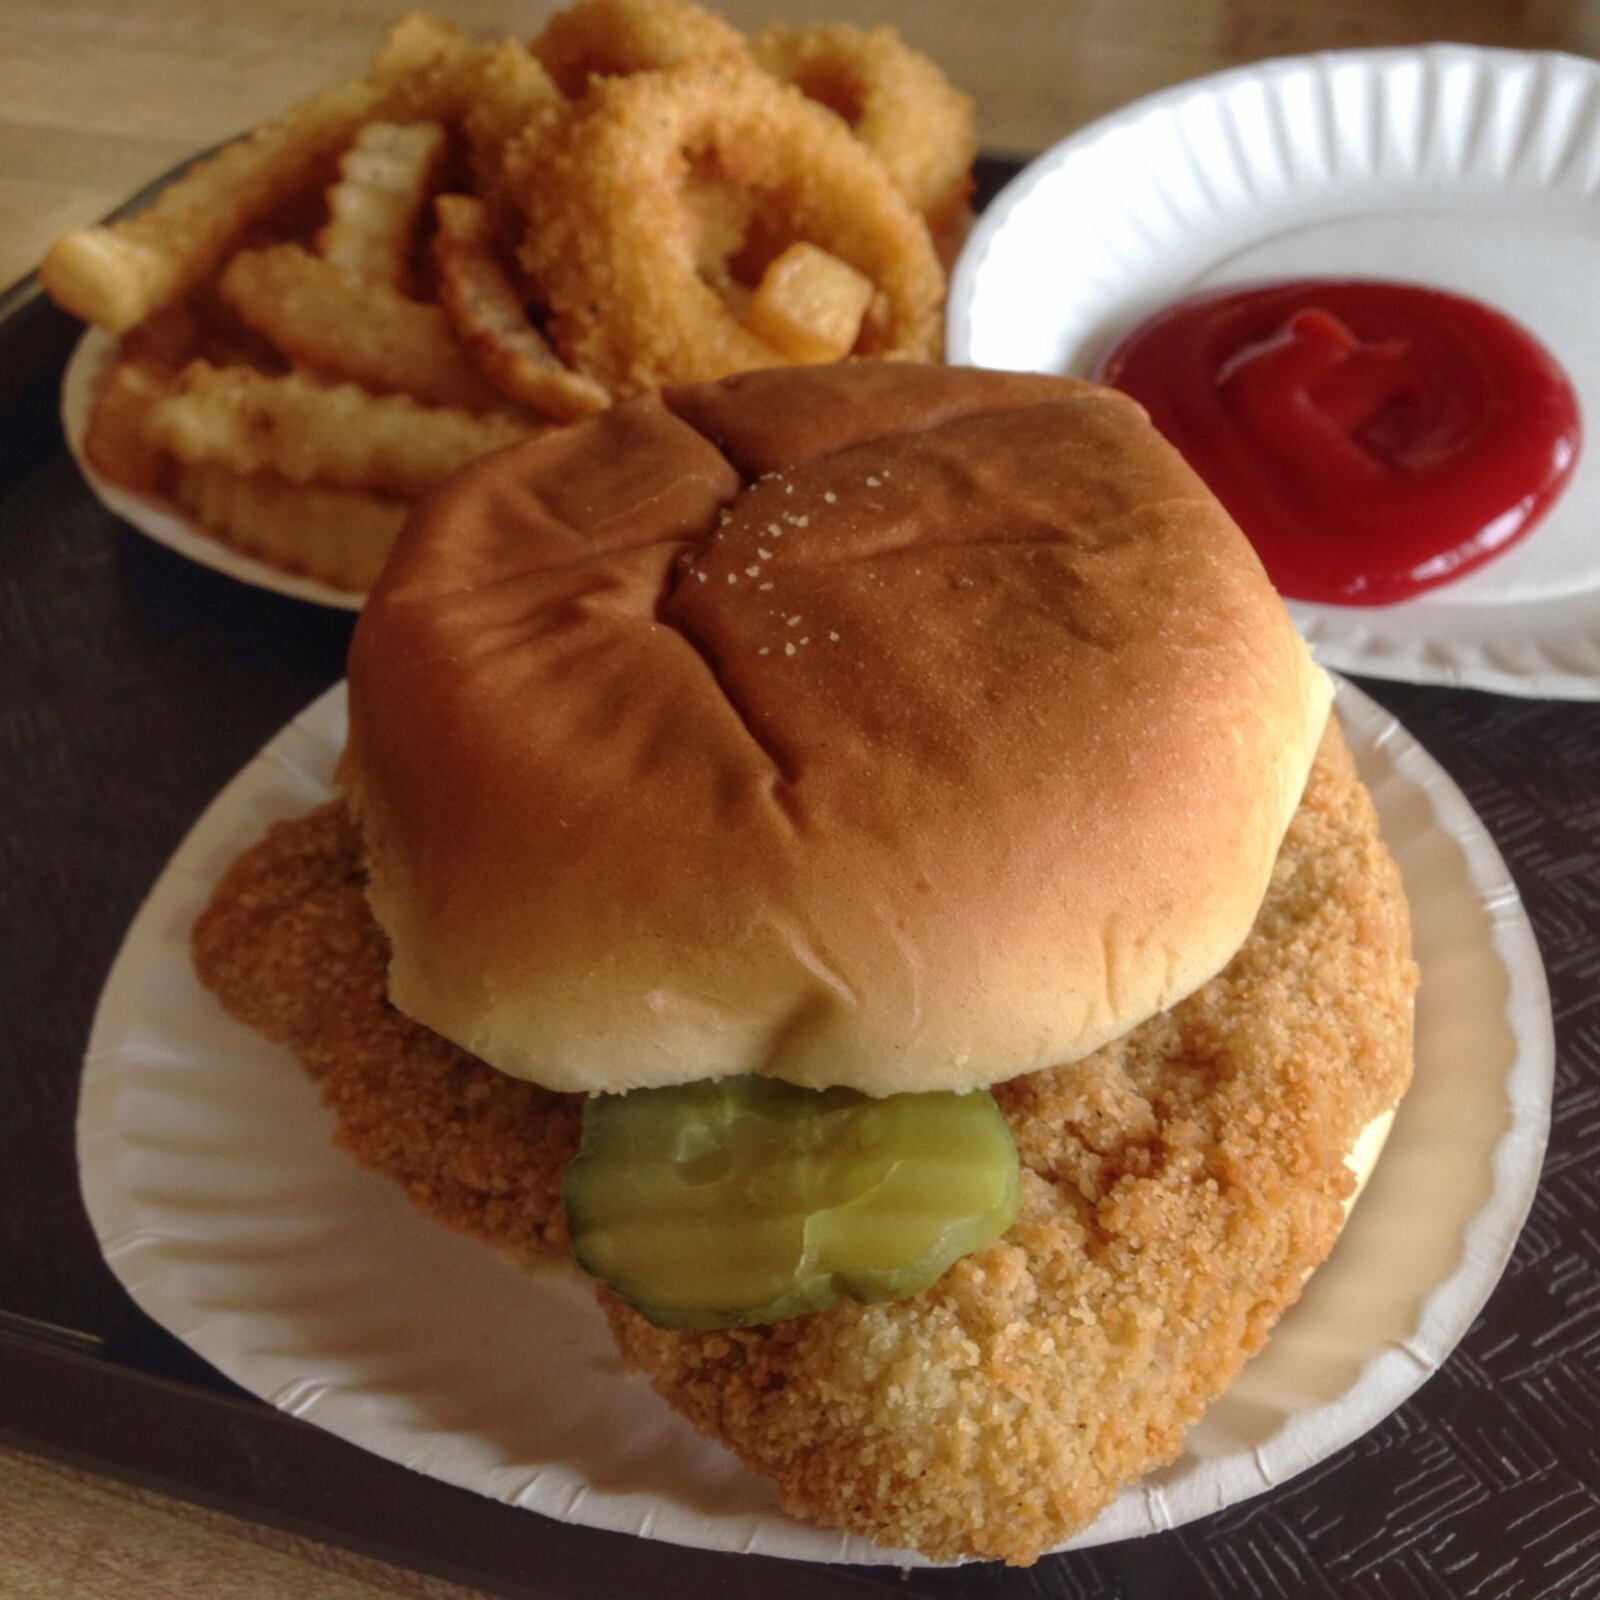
{"x": 613, "y": 248}
{"x": 615, "y": 38}
{"x": 897, "y": 102}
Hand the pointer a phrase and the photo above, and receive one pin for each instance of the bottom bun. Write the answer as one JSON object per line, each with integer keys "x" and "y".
{"x": 1178, "y": 1186}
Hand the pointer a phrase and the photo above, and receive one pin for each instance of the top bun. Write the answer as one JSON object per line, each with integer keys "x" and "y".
{"x": 893, "y": 726}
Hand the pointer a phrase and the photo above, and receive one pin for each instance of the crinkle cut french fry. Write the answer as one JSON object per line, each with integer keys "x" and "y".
{"x": 336, "y": 325}
{"x": 809, "y": 305}
{"x": 117, "y": 274}
{"x": 167, "y": 339}
{"x": 118, "y": 441}
{"x": 311, "y": 432}
{"x": 384, "y": 181}
{"x": 490, "y": 320}
{"x": 341, "y": 537}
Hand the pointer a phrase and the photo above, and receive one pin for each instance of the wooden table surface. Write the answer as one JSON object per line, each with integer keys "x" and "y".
{"x": 97, "y": 97}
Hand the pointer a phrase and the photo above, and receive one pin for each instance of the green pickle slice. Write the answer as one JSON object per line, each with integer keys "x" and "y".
{"x": 717, "y": 1205}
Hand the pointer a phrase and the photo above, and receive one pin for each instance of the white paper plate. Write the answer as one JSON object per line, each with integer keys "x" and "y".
{"x": 1471, "y": 170}
{"x": 220, "y": 1203}
{"x": 167, "y": 524}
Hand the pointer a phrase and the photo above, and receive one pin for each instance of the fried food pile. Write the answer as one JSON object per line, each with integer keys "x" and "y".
{"x": 1178, "y": 1185}
{"x": 475, "y": 241}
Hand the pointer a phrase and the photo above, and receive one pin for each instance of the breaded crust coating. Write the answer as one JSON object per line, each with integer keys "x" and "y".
{"x": 1177, "y": 1187}
{"x": 613, "y": 243}
{"x": 289, "y": 947}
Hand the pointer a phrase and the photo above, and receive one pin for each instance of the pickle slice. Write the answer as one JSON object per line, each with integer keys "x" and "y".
{"x": 716, "y": 1205}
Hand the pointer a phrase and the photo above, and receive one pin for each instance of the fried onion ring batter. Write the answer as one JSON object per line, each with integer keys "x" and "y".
{"x": 616, "y": 251}
{"x": 897, "y": 102}
{"x": 616, "y": 38}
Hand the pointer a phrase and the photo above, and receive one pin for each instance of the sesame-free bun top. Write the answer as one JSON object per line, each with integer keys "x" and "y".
{"x": 895, "y": 726}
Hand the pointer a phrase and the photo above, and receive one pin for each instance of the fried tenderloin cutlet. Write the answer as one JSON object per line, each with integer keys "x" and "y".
{"x": 289, "y": 947}
{"x": 1177, "y": 1187}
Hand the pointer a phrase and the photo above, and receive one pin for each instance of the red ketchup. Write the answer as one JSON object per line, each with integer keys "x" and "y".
{"x": 1372, "y": 439}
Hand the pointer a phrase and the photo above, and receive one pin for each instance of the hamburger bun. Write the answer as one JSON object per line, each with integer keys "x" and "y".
{"x": 891, "y": 726}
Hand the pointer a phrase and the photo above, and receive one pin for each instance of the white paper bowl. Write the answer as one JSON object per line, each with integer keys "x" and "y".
{"x": 221, "y": 1204}
{"x": 1471, "y": 170}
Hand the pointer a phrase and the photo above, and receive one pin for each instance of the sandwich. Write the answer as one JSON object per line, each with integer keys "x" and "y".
{"x": 859, "y": 857}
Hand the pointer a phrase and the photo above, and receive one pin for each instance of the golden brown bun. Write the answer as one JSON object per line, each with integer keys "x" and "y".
{"x": 904, "y": 727}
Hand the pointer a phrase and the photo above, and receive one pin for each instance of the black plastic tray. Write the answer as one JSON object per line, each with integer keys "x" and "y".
{"x": 133, "y": 683}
